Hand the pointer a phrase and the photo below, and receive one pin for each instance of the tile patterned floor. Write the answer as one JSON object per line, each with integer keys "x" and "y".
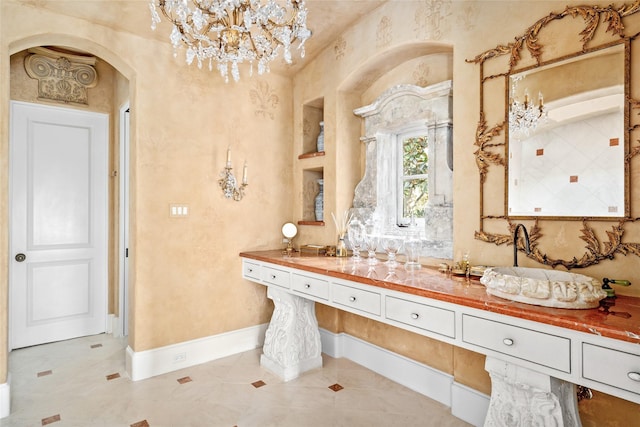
{"x": 82, "y": 383}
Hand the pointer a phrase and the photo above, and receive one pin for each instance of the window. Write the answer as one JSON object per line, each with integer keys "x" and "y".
{"x": 413, "y": 184}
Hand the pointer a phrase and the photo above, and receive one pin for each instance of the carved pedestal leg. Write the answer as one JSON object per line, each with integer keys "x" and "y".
{"x": 292, "y": 342}
{"x": 522, "y": 397}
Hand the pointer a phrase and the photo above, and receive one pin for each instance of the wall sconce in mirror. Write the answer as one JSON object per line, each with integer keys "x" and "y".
{"x": 228, "y": 182}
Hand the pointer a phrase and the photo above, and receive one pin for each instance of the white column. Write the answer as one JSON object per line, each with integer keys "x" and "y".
{"x": 292, "y": 341}
{"x": 522, "y": 397}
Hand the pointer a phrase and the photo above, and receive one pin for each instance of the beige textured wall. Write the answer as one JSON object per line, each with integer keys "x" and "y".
{"x": 388, "y": 47}
{"x": 185, "y": 273}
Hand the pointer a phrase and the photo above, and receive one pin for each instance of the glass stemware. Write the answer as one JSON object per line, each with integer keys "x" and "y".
{"x": 391, "y": 245}
{"x": 356, "y": 237}
{"x": 370, "y": 245}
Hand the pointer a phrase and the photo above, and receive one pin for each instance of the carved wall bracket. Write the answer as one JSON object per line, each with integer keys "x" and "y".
{"x": 292, "y": 341}
{"x": 490, "y": 141}
{"x": 62, "y": 77}
{"x": 520, "y": 396}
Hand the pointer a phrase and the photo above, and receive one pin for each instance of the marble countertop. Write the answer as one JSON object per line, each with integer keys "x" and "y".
{"x": 617, "y": 318}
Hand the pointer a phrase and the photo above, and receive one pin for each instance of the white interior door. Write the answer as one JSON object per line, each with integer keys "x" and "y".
{"x": 58, "y": 223}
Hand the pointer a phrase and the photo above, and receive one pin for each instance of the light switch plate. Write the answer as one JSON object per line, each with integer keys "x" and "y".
{"x": 178, "y": 210}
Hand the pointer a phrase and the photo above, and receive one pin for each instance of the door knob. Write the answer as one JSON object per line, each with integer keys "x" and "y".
{"x": 21, "y": 257}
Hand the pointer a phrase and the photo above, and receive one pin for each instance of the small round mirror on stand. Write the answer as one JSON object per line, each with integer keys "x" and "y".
{"x": 289, "y": 231}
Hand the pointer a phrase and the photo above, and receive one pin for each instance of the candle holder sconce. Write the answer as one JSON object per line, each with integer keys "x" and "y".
{"x": 228, "y": 182}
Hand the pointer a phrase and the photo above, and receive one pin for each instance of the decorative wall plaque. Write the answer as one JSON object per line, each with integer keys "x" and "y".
{"x": 62, "y": 77}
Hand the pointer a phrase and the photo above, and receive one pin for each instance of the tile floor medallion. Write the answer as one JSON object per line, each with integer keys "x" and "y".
{"x": 336, "y": 387}
{"x": 63, "y": 385}
{"x": 52, "y": 419}
{"x": 184, "y": 380}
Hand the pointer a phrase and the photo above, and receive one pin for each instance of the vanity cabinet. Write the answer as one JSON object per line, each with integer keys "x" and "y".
{"x": 612, "y": 367}
{"x": 355, "y": 299}
{"x": 251, "y": 270}
{"x": 275, "y": 276}
{"x": 310, "y": 286}
{"x": 422, "y": 316}
{"x": 544, "y": 349}
{"x": 533, "y": 346}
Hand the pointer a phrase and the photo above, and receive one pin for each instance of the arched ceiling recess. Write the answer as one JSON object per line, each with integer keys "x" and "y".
{"x": 73, "y": 43}
{"x": 378, "y": 65}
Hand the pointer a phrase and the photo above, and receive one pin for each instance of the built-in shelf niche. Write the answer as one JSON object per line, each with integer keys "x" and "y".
{"x": 310, "y": 189}
{"x": 312, "y": 115}
{"x": 311, "y": 155}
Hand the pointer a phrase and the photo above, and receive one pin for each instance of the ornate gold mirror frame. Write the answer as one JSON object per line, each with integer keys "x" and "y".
{"x": 490, "y": 140}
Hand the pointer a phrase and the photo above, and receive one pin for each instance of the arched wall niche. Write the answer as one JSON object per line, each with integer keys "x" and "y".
{"x": 360, "y": 87}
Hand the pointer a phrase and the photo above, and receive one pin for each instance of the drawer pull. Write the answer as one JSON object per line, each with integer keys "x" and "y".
{"x": 307, "y": 286}
{"x": 415, "y": 316}
{"x": 507, "y": 341}
{"x": 352, "y": 299}
{"x": 634, "y": 376}
{"x": 273, "y": 276}
{"x": 250, "y": 270}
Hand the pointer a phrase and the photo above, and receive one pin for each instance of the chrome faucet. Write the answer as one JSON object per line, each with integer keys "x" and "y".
{"x": 527, "y": 247}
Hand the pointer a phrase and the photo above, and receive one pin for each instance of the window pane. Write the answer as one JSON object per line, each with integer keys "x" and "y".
{"x": 415, "y": 197}
{"x": 414, "y": 156}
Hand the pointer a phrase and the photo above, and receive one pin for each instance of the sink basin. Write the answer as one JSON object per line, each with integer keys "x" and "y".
{"x": 539, "y": 286}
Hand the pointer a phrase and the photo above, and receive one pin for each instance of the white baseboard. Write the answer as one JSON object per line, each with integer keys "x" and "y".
{"x": 466, "y": 403}
{"x": 149, "y": 363}
{"x": 5, "y": 398}
{"x": 112, "y": 323}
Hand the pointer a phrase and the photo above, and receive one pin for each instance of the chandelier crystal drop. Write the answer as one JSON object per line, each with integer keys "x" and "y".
{"x": 232, "y": 32}
{"x": 524, "y": 117}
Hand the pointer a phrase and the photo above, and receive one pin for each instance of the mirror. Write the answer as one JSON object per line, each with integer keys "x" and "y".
{"x": 289, "y": 231}
{"x": 570, "y": 68}
{"x": 566, "y": 137}
{"x": 399, "y": 116}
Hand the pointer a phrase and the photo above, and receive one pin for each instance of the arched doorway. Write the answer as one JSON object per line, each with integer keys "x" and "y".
{"x": 118, "y": 85}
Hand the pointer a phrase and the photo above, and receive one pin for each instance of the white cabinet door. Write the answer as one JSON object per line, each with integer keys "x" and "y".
{"x": 58, "y": 223}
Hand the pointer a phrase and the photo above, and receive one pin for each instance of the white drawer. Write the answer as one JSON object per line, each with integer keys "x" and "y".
{"x": 273, "y": 276}
{"x": 421, "y": 316}
{"x": 310, "y": 286}
{"x": 250, "y": 270}
{"x": 356, "y": 298}
{"x": 537, "y": 347}
{"x": 612, "y": 367}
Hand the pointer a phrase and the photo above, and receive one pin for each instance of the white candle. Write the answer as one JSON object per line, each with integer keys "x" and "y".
{"x": 229, "y": 157}
{"x": 244, "y": 173}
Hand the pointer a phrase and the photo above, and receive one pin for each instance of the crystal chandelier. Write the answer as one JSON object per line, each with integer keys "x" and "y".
{"x": 230, "y": 32}
{"x": 524, "y": 117}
